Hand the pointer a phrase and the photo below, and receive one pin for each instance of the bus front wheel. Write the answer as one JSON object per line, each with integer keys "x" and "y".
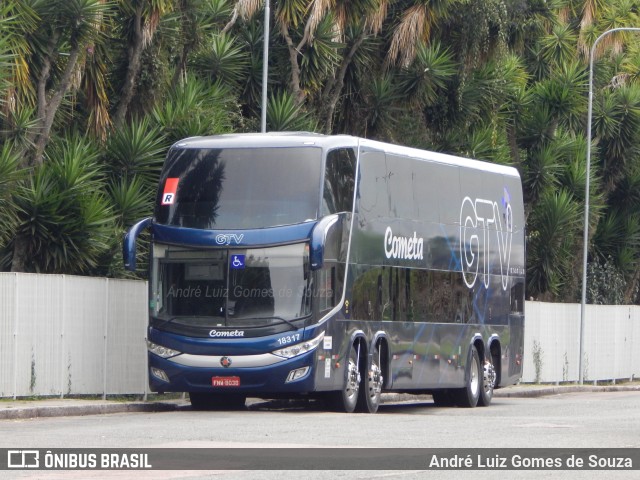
{"x": 468, "y": 395}
{"x": 347, "y": 398}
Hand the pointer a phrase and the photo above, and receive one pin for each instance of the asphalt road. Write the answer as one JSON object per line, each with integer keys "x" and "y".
{"x": 572, "y": 420}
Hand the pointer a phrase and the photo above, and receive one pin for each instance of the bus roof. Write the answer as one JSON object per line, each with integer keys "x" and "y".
{"x": 296, "y": 139}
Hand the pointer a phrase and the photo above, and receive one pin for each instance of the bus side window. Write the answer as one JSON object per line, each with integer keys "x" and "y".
{"x": 398, "y": 303}
{"x": 330, "y": 278}
{"x": 366, "y": 292}
{"x": 339, "y": 181}
{"x": 326, "y": 288}
{"x": 380, "y": 297}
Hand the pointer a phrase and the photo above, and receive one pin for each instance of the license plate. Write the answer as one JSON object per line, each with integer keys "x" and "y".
{"x": 225, "y": 381}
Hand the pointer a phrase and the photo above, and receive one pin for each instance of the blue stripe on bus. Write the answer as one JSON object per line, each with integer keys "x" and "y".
{"x": 229, "y": 346}
{"x": 231, "y": 238}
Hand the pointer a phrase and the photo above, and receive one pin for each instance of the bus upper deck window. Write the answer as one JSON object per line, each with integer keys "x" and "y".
{"x": 339, "y": 181}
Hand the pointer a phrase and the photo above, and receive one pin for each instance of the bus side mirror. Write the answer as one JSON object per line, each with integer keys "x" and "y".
{"x": 318, "y": 240}
{"x": 129, "y": 244}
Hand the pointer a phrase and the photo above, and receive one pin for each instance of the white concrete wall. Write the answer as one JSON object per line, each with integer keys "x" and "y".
{"x": 65, "y": 335}
{"x": 611, "y": 342}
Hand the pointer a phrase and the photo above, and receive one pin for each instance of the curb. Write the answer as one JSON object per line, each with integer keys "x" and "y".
{"x": 41, "y": 411}
{"x": 18, "y": 413}
{"x": 558, "y": 390}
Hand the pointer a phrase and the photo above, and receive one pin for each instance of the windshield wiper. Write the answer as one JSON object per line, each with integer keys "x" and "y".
{"x": 173, "y": 319}
{"x": 274, "y": 317}
{"x": 164, "y": 322}
{"x": 270, "y": 317}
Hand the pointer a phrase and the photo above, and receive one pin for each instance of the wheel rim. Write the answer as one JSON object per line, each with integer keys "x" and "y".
{"x": 375, "y": 376}
{"x": 489, "y": 378}
{"x": 375, "y": 381}
{"x": 474, "y": 379}
{"x": 353, "y": 382}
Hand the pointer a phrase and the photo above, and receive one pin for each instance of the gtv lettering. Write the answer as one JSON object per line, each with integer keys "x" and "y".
{"x": 483, "y": 230}
{"x": 229, "y": 238}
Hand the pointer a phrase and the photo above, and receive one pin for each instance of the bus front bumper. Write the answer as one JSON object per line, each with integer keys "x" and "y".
{"x": 260, "y": 375}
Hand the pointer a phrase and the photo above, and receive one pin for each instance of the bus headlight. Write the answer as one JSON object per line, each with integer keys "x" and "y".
{"x": 161, "y": 351}
{"x": 291, "y": 351}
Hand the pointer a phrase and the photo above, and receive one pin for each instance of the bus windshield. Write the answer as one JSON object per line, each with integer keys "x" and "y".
{"x": 239, "y": 188}
{"x": 235, "y": 288}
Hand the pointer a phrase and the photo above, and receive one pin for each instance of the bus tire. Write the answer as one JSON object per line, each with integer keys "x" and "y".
{"x": 212, "y": 401}
{"x": 468, "y": 396}
{"x": 346, "y": 399}
{"x": 488, "y": 381}
{"x": 371, "y": 391}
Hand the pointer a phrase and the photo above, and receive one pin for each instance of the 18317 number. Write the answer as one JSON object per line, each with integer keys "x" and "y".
{"x": 287, "y": 339}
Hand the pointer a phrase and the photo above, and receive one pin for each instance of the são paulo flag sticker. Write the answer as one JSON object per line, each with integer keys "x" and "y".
{"x": 170, "y": 188}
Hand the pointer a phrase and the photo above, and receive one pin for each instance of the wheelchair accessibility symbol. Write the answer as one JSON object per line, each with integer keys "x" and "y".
{"x": 237, "y": 262}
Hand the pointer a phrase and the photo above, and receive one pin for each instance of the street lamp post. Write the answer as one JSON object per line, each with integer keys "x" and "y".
{"x": 265, "y": 67}
{"x": 586, "y": 197}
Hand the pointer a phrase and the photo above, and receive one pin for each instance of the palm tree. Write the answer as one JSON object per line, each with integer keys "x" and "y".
{"x": 196, "y": 19}
{"x": 10, "y": 174}
{"x": 307, "y": 32}
{"x": 284, "y": 114}
{"x": 558, "y": 47}
{"x": 136, "y": 150}
{"x": 17, "y": 21}
{"x": 63, "y": 218}
{"x": 58, "y": 38}
{"x": 599, "y": 16}
{"x": 17, "y": 96}
{"x": 196, "y": 107}
{"x": 620, "y": 149}
{"x": 427, "y": 75}
{"x": 354, "y": 62}
{"x": 73, "y": 27}
{"x": 618, "y": 130}
{"x": 140, "y": 20}
{"x": 222, "y": 59}
{"x": 316, "y": 45}
{"x": 552, "y": 239}
{"x": 414, "y": 25}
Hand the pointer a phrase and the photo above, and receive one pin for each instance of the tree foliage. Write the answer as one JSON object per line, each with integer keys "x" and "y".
{"x": 93, "y": 92}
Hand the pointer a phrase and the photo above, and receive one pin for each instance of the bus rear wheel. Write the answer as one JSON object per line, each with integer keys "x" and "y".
{"x": 347, "y": 399}
{"x": 468, "y": 395}
{"x": 212, "y": 401}
{"x": 487, "y": 384}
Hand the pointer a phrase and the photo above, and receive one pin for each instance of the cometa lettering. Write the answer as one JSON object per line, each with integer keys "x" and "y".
{"x": 226, "y": 333}
{"x": 407, "y": 248}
